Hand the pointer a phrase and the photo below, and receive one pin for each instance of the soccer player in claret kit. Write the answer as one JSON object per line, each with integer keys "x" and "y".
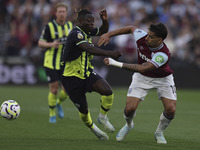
{"x": 52, "y": 39}
{"x": 78, "y": 76}
{"x": 152, "y": 71}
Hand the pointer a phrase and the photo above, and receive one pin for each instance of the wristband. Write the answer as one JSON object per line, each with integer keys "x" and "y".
{"x": 115, "y": 63}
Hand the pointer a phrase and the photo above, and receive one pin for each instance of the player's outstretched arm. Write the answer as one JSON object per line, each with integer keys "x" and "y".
{"x": 147, "y": 66}
{"x": 105, "y": 25}
{"x": 44, "y": 44}
{"x": 99, "y": 52}
{"x": 105, "y": 38}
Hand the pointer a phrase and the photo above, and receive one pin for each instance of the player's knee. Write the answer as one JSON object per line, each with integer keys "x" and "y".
{"x": 106, "y": 91}
{"x": 129, "y": 111}
{"x": 170, "y": 111}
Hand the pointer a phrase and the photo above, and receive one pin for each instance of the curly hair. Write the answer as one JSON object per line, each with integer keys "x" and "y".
{"x": 159, "y": 29}
{"x": 82, "y": 13}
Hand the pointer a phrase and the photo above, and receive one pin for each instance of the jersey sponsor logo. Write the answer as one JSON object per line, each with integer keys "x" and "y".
{"x": 144, "y": 57}
{"x": 80, "y": 36}
{"x": 159, "y": 59}
{"x": 63, "y": 40}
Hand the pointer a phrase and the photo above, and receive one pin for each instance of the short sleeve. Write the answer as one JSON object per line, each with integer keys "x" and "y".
{"x": 45, "y": 33}
{"x": 78, "y": 37}
{"x": 159, "y": 59}
{"x": 138, "y": 34}
{"x": 94, "y": 32}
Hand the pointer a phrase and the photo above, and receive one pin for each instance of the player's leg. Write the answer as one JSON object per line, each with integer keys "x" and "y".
{"x": 53, "y": 89}
{"x": 86, "y": 118}
{"x": 165, "y": 119}
{"x": 129, "y": 113}
{"x": 79, "y": 100}
{"x": 102, "y": 87}
{"x": 62, "y": 97}
{"x": 137, "y": 91}
{"x": 167, "y": 93}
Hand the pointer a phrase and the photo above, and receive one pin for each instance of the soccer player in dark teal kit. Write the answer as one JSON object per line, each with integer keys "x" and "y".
{"x": 78, "y": 76}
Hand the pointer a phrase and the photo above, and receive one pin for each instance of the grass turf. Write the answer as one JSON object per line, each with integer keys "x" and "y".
{"x": 32, "y": 131}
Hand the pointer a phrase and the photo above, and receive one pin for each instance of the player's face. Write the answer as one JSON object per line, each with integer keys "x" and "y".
{"x": 152, "y": 40}
{"x": 88, "y": 23}
{"x": 61, "y": 13}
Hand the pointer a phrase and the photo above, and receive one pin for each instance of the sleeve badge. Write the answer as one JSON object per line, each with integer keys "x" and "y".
{"x": 80, "y": 36}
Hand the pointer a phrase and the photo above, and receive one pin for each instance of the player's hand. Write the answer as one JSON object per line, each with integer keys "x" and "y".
{"x": 116, "y": 54}
{"x": 103, "y": 15}
{"x": 106, "y": 61}
{"x": 112, "y": 62}
{"x": 55, "y": 44}
{"x": 104, "y": 39}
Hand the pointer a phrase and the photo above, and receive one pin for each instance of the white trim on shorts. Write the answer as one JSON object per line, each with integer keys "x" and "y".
{"x": 141, "y": 85}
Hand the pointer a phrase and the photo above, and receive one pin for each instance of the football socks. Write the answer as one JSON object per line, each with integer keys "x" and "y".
{"x": 63, "y": 96}
{"x": 52, "y": 104}
{"x": 86, "y": 118}
{"x": 106, "y": 103}
{"x": 163, "y": 124}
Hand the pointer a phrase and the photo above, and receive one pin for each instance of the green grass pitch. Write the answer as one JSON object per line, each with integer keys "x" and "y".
{"x": 32, "y": 131}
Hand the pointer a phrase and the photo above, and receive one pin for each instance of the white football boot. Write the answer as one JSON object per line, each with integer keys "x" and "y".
{"x": 107, "y": 125}
{"x": 160, "y": 138}
{"x": 100, "y": 134}
{"x": 123, "y": 132}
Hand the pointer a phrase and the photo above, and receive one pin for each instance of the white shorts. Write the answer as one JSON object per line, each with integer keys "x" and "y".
{"x": 141, "y": 85}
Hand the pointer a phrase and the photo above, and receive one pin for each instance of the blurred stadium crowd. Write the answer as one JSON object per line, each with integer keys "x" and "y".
{"x": 21, "y": 23}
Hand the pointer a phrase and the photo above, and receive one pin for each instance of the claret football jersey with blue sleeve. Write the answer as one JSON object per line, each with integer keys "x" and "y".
{"x": 159, "y": 56}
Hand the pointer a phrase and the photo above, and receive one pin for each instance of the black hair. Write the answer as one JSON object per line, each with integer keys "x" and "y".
{"x": 82, "y": 13}
{"x": 159, "y": 29}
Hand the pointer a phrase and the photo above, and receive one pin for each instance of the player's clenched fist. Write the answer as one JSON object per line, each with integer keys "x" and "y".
{"x": 106, "y": 61}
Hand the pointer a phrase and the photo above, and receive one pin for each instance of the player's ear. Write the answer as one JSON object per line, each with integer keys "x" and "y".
{"x": 79, "y": 21}
{"x": 160, "y": 40}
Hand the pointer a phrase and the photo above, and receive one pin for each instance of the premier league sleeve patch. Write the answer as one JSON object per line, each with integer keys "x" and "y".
{"x": 80, "y": 36}
{"x": 159, "y": 59}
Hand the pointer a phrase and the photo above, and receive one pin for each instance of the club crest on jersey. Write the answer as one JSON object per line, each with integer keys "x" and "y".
{"x": 80, "y": 36}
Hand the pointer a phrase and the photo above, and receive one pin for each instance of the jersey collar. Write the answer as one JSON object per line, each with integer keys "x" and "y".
{"x": 88, "y": 36}
{"x": 57, "y": 23}
{"x": 81, "y": 30}
{"x": 157, "y": 48}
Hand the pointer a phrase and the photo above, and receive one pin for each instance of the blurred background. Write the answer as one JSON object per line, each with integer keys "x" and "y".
{"x": 21, "y": 23}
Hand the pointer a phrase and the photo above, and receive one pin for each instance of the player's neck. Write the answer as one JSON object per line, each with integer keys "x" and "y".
{"x": 157, "y": 47}
{"x": 60, "y": 22}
